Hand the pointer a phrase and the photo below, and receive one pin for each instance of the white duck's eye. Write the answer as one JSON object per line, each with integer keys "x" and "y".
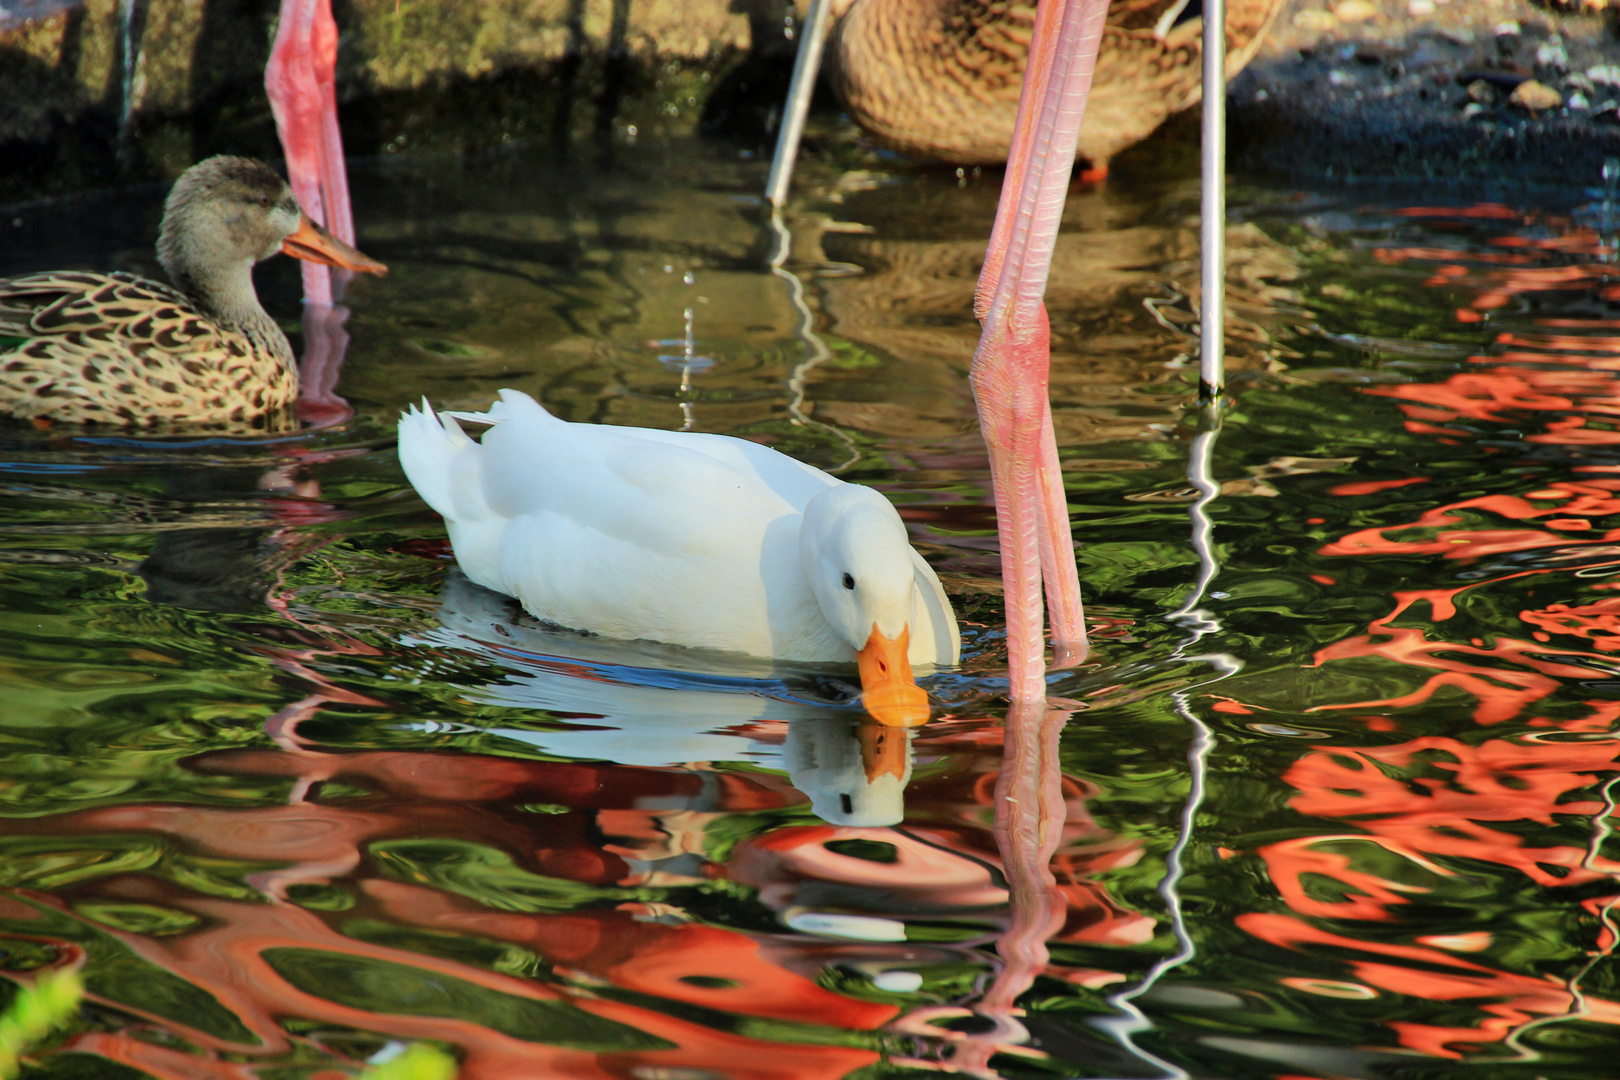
{"x": 849, "y": 582}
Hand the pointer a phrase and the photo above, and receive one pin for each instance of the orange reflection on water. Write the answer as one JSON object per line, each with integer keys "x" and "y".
{"x": 1416, "y": 814}
{"x": 448, "y": 797}
{"x": 1526, "y": 997}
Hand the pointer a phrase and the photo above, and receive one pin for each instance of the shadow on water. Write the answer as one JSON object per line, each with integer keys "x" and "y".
{"x": 290, "y": 791}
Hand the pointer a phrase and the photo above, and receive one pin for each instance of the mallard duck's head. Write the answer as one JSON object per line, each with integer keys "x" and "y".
{"x": 227, "y": 213}
{"x": 854, "y": 549}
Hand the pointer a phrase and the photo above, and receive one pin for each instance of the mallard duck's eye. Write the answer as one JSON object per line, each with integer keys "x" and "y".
{"x": 849, "y": 582}
{"x": 264, "y": 200}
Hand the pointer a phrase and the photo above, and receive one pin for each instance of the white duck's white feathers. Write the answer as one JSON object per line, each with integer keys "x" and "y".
{"x": 685, "y": 538}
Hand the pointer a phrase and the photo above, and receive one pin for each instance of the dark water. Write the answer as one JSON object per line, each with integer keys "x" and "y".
{"x": 290, "y": 792}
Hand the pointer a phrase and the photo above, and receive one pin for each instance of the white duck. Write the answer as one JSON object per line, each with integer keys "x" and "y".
{"x": 684, "y": 538}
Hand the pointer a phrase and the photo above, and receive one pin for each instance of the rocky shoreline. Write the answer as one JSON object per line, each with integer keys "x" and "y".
{"x": 1465, "y": 90}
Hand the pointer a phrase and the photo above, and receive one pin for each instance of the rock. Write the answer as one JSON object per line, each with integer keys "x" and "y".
{"x": 1482, "y": 92}
{"x": 1355, "y": 11}
{"x": 1607, "y": 74}
{"x": 1536, "y": 96}
{"x": 1553, "y": 56}
{"x": 1578, "y": 100}
{"x": 1473, "y": 109}
{"x": 1579, "y": 84}
{"x": 1315, "y": 20}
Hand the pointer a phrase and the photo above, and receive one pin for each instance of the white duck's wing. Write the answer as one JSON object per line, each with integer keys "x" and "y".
{"x": 762, "y": 470}
{"x": 935, "y": 637}
{"x": 791, "y": 479}
{"x": 619, "y": 482}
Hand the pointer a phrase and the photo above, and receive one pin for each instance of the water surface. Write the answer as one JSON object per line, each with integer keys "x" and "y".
{"x": 290, "y": 791}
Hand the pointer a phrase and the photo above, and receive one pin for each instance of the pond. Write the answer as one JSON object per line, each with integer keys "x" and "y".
{"x": 1330, "y": 798}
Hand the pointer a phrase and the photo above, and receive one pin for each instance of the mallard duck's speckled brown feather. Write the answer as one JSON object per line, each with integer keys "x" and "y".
{"x": 117, "y": 349}
{"x": 941, "y": 78}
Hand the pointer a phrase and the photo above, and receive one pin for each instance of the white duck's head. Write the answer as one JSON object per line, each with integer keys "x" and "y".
{"x": 854, "y": 550}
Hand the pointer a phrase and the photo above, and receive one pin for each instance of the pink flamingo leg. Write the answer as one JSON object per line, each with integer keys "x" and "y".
{"x": 1010, "y": 368}
{"x": 301, "y": 83}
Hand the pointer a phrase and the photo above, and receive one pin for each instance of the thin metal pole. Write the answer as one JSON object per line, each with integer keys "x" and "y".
{"x": 1212, "y": 227}
{"x": 806, "y": 66}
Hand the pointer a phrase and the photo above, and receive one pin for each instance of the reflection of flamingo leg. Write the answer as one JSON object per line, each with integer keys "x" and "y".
{"x": 1010, "y": 368}
{"x": 300, "y": 80}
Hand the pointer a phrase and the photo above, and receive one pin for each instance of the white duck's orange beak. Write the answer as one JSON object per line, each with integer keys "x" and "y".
{"x": 314, "y": 244}
{"x": 888, "y": 691}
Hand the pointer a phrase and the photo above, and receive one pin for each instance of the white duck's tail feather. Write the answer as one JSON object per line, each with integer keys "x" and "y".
{"x": 436, "y": 454}
{"x": 513, "y": 405}
{"x": 447, "y": 468}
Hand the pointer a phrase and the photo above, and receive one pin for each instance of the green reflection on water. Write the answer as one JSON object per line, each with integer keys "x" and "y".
{"x": 384, "y": 987}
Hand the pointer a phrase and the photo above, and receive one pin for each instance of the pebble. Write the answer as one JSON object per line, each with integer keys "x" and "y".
{"x": 1577, "y": 100}
{"x": 1608, "y": 74}
{"x": 1355, "y": 10}
{"x": 1315, "y": 19}
{"x": 1473, "y": 109}
{"x": 898, "y": 982}
{"x": 1420, "y": 8}
{"x": 1579, "y": 84}
{"x": 1535, "y": 96}
{"x": 1481, "y": 91}
{"x": 1552, "y": 54}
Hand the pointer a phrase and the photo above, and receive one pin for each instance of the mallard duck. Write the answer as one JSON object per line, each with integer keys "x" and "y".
{"x": 684, "y": 538}
{"x": 940, "y": 78}
{"x": 84, "y": 347}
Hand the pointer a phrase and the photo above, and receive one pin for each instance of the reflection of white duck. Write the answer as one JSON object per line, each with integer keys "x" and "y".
{"x": 854, "y": 774}
{"x": 639, "y": 703}
{"x": 685, "y": 538}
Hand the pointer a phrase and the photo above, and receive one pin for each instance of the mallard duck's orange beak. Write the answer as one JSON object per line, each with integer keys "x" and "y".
{"x": 888, "y": 691}
{"x": 314, "y": 244}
